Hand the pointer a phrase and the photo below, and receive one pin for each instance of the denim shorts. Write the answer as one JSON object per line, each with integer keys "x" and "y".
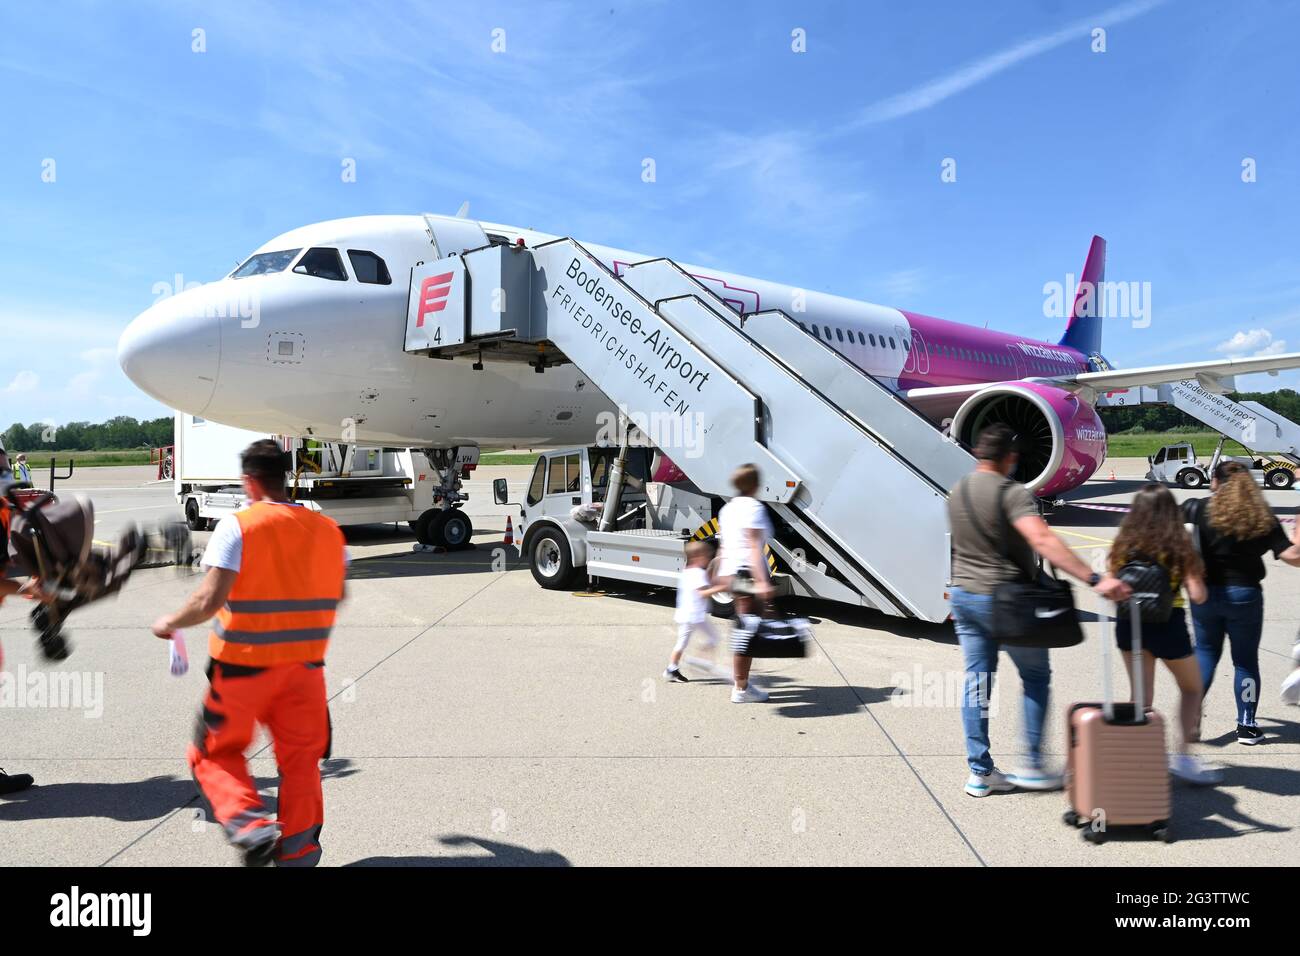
{"x": 1169, "y": 641}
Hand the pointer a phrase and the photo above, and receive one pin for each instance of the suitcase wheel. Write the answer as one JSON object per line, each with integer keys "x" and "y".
{"x": 1070, "y": 818}
{"x": 1160, "y": 831}
{"x": 1096, "y": 837}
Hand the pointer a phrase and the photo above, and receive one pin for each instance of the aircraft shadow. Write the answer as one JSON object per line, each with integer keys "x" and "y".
{"x": 417, "y": 564}
{"x": 502, "y": 854}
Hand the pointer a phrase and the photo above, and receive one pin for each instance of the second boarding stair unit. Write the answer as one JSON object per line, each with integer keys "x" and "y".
{"x": 856, "y": 477}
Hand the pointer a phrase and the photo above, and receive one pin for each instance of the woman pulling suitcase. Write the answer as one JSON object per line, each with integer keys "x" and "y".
{"x": 1155, "y": 556}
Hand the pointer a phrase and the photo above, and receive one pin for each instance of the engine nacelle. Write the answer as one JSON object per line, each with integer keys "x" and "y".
{"x": 1061, "y": 439}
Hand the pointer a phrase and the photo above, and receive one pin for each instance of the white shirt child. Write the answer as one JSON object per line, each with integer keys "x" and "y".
{"x": 692, "y": 608}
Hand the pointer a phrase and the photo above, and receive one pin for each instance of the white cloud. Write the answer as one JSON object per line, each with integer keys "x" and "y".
{"x": 936, "y": 91}
{"x": 1255, "y": 342}
{"x": 24, "y": 381}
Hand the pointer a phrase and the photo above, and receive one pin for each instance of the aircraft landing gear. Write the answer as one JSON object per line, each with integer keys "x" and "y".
{"x": 446, "y": 525}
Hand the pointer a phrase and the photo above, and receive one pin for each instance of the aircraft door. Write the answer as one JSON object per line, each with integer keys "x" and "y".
{"x": 454, "y": 235}
{"x": 1017, "y": 360}
{"x": 921, "y": 352}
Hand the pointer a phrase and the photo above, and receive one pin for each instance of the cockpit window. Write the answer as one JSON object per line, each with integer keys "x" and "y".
{"x": 369, "y": 268}
{"x": 264, "y": 263}
{"x": 322, "y": 262}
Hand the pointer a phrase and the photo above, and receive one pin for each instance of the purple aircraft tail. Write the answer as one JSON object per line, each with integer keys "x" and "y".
{"x": 1084, "y": 331}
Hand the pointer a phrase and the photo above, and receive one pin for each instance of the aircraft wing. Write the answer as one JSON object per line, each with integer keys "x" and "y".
{"x": 1209, "y": 374}
{"x": 943, "y": 400}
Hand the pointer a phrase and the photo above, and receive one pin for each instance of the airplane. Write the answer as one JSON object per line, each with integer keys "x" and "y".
{"x": 305, "y": 337}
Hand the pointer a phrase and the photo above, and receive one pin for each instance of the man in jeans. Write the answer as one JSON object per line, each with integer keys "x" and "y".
{"x": 996, "y": 531}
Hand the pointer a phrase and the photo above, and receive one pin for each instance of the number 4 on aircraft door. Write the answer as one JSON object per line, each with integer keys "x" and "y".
{"x": 435, "y": 307}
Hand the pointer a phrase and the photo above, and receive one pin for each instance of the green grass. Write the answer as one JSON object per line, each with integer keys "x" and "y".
{"x": 1140, "y": 446}
{"x": 506, "y": 458}
{"x": 40, "y": 461}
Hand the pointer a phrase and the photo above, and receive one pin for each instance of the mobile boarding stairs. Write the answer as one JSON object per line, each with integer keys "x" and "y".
{"x": 857, "y": 479}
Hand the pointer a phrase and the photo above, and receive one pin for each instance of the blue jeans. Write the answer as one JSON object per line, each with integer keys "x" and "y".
{"x": 972, "y": 616}
{"x": 1238, "y": 611}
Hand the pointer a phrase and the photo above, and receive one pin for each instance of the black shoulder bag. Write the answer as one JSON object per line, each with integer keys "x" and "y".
{"x": 1029, "y": 613}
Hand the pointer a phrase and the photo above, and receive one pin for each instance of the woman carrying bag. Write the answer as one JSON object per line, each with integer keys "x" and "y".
{"x": 1154, "y": 555}
{"x": 1235, "y": 527}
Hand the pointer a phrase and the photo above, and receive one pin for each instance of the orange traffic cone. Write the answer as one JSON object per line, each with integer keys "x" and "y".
{"x": 510, "y": 532}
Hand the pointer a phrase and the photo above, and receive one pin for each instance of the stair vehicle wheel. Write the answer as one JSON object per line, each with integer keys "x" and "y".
{"x": 1280, "y": 478}
{"x": 192, "y": 519}
{"x": 1191, "y": 478}
{"x": 456, "y": 529}
{"x": 549, "y": 560}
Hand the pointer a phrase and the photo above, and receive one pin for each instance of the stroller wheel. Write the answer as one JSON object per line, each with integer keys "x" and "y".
{"x": 53, "y": 645}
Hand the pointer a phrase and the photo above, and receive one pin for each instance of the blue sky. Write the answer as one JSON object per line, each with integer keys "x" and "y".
{"x": 819, "y": 168}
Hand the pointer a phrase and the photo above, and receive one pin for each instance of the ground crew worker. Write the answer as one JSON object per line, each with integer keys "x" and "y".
{"x": 275, "y": 576}
{"x": 21, "y": 470}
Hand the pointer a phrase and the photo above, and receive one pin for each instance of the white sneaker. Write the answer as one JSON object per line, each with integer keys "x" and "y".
{"x": 995, "y": 781}
{"x": 1189, "y": 769}
{"x": 1291, "y": 688}
{"x": 1036, "y": 779}
{"x": 750, "y": 695}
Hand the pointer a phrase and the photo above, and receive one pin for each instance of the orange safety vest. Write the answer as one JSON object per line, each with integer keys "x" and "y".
{"x": 290, "y": 582}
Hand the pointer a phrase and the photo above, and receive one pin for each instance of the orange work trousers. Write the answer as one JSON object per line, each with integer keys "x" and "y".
{"x": 289, "y": 700}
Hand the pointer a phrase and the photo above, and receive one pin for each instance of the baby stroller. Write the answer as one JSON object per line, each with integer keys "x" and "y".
{"x": 54, "y": 540}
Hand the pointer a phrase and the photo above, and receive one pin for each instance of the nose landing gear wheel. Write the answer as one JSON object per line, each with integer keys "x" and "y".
{"x": 450, "y": 528}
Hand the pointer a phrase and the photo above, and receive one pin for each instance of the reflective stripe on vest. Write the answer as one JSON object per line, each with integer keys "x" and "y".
{"x": 290, "y": 581}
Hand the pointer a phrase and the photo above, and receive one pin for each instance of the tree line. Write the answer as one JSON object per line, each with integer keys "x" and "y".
{"x": 123, "y": 433}
{"x": 117, "y": 434}
{"x": 1165, "y": 418}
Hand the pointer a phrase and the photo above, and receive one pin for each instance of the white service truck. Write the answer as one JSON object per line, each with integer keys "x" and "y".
{"x": 1178, "y": 464}
{"x": 353, "y": 484}
{"x": 571, "y": 527}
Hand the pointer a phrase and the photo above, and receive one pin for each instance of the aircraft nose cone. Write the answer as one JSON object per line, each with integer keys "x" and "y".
{"x": 172, "y": 350}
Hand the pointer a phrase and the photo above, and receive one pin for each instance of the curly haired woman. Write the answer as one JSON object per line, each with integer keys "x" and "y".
{"x": 1235, "y": 527}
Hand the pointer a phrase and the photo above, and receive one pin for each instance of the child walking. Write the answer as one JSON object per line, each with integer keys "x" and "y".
{"x": 693, "y": 592}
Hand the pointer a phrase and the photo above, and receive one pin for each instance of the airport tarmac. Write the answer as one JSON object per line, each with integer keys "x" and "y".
{"x": 480, "y": 720}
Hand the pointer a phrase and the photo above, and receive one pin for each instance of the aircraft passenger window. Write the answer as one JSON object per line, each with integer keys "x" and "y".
{"x": 537, "y": 486}
{"x": 802, "y": 326}
{"x": 873, "y": 340}
{"x": 324, "y": 263}
{"x": 828, "y": 332}
{"x": 369, "y": 268}
{"x": 839, "y": 334}
{"x": 816, "y": 333}
{"x": 906, "y": 345}
{"x": 264, "y": 263}
{"x": 862, "y": 338}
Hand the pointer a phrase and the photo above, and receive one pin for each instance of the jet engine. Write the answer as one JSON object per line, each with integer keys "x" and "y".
{"x": 1061, "y": 440}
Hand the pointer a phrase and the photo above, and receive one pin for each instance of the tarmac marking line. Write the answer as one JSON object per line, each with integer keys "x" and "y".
{"x": 901, "y": 753}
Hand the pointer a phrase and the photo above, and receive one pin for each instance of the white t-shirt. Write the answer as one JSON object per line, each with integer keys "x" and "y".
{"x": 226, "y": 546}
{"x": 740, "y": 514}
{"x": 691, "y": 607}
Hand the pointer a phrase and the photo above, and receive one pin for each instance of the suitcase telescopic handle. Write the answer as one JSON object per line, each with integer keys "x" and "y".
{"x": 1139, "y": 692}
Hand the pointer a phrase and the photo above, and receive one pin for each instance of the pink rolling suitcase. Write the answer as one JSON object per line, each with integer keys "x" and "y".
{"x": 1117, "y": 774}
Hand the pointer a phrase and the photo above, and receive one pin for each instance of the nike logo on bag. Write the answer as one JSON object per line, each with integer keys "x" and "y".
{"x": 1039, "y": 612}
